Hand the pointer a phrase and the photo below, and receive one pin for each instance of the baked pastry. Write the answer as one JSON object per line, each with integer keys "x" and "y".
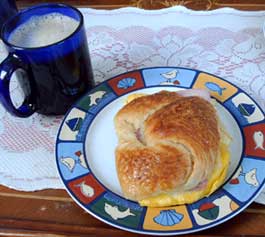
{"x": 172, "y": 148}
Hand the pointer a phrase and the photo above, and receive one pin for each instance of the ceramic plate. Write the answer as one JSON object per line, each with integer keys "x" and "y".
{"x": 86, "y": 143}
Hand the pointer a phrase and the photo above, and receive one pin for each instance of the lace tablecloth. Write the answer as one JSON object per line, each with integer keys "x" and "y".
{"x": 225, "y": 42}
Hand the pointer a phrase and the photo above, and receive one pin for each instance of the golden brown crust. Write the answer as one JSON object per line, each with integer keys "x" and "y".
{"x": 148, "y": 170}
{"x": 166, "y": 143}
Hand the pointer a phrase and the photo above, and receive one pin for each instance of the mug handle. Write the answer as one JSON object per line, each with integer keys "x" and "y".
{"x": 10, "y": 65}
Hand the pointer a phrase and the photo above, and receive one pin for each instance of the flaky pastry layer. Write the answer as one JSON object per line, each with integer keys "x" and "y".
{"x": 167, "y": 144}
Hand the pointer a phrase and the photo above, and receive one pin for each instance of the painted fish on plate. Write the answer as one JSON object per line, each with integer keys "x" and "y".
{"x": 215, "y": 87}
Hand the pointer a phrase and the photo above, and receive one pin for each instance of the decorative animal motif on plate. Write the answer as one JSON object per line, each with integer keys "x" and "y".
{"x": 258, "y": 138}
{"x": 170, "y": 76}
{"x": 95, "y": 97}
{"x": 255, "y": 140}
{"x": 249, "y": 177}
{"x": 85, "y": 189}
{"x": 115, "y": 213}
{"x": 126, "y": 83}
{"x": 168, "y": 218}
{"x": 74, "y": 123}
{"x": 215, "y": 87}
{"x": 70, "y": 162}
{"x": 211, "y": 211}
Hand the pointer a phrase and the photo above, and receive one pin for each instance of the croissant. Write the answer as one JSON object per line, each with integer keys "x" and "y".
{"x": 168, "y": 144}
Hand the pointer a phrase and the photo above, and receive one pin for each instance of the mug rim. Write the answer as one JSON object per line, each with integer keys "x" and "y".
{"x": 6, "y": 42}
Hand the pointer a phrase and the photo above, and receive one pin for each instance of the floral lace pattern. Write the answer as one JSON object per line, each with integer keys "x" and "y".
{"x": 237, "y": 56}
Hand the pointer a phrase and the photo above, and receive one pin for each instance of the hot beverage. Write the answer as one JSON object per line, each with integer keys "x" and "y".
{"x": 41, "y": 31}
{"x": 52, "y": 48}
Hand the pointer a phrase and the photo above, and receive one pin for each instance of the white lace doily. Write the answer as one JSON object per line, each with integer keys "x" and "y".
{"x": 224, "y": 42}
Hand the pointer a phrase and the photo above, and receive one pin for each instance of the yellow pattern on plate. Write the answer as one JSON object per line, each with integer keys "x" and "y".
{"x": 218, "y": 88}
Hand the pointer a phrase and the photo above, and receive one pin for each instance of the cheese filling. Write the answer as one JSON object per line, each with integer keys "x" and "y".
{"x": 214, "y": 182}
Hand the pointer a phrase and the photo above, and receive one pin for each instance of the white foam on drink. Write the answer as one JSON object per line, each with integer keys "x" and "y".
{"x": 43, "y": 30}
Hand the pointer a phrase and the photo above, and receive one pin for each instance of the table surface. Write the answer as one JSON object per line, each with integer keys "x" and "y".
{"x": 54, "y": 213}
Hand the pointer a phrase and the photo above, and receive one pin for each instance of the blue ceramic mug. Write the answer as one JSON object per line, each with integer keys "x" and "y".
{"x": 8, "y": 8}
{"x": 48, "y": 52}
